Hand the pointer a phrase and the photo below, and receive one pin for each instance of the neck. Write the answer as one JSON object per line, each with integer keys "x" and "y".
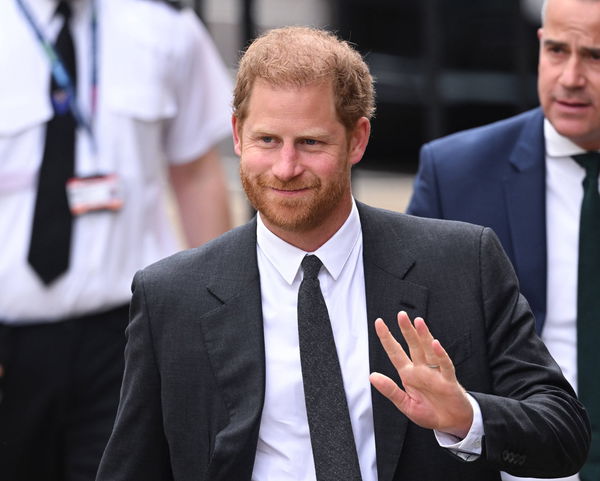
{"x": 311, "y": 238}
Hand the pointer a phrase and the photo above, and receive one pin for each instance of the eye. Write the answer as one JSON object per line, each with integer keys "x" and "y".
{"x": 310, "y": 141}
{"x": 267, "y": 139}
{"x": 595, "y": 55}
{"x": 555, "y": 48}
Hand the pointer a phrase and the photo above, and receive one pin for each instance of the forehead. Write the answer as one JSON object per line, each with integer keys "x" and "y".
{"x": 573, "y": 21}
{"x": 274, "y": 105}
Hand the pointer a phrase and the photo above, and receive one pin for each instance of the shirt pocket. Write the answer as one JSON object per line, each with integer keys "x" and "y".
{"x": 22, "y": 126}
{"x": 25, "y": 80}
{"x": 137, "y": 79}
{"x": 20, "y": 112}
{"x": 142, "y": 102}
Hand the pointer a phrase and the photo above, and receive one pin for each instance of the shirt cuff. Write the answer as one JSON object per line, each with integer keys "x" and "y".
{"x": 469, "y": 448}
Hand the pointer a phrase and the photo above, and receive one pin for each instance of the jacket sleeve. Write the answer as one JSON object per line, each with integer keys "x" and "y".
{"x": 137, "y": 448}
{"x": 534, "y": 425}
{"x": 425, "y": 200}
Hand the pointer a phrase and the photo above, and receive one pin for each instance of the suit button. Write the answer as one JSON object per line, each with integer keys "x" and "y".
{"x": 512, "y": 457}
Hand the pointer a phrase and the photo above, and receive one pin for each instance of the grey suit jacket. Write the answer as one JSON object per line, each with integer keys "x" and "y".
{"x": 194, "y": 381}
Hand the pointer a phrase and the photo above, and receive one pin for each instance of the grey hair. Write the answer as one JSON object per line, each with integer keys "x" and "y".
{"x": 543, "y": 11}
{"x": 545, "y": 6}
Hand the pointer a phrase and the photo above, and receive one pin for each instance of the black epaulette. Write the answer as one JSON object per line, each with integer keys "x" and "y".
{"x": 176, "y": 4}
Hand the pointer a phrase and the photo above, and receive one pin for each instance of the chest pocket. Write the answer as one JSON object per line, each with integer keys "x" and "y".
{"x": 20, "y": 112}
{"x": 137, "y": 75}
{"x": 24, "y": 110}
{"x": 24, "y": 86}
{"x": 459, "y": 348}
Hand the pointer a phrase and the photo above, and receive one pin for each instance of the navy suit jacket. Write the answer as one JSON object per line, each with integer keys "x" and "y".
{"x": 494, "y": 176}
{"x": 193, "y": 389}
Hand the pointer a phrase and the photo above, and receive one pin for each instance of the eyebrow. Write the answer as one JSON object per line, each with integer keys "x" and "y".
{"x": 317, "y": 134}
{"x": 583, "y": 50}
{"x": 554, "y": 43}
{"x": 591, "y": 50}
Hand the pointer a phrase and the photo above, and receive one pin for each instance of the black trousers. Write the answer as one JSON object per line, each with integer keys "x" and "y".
{"x": 59, "y": 394}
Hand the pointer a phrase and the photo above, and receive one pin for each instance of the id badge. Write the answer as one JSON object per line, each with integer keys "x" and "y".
{"x": 95, "y": 193}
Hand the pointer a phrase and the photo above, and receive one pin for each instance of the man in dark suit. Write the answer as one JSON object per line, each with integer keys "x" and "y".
{"x": 220, "y": 383}
{"x": 520, "y": 177}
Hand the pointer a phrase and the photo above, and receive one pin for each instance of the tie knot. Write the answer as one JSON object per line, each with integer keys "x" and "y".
{"x": 311, "y": 265}
{"x": 590, "y": 161}
{"x": 64, "y": 9}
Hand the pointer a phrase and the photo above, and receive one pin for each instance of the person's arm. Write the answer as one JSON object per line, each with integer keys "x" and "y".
{"x": 137, "y": 448}
{"x": 202, "y": 196}
{"x": 533, "y": 424}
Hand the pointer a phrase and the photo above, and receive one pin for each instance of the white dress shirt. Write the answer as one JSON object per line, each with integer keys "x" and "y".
{"x": 564, "y": 193}
{"x": 284, "y": 451}
{"x": 163, "y": 98}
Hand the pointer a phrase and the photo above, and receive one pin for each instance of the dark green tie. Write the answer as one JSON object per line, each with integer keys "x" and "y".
{"x": 588, "y": 307}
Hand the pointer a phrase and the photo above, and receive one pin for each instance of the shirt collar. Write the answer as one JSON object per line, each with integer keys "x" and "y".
{"x": 333, "y": 254}
{"x": 558, "y": 145}
{"x": 43, "y": 10}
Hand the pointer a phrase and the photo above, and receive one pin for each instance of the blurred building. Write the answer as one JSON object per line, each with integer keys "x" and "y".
{"x": 440, "y": 65}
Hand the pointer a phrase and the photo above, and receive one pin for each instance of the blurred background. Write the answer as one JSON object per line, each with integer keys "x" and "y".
{"x": 440, "y": 66}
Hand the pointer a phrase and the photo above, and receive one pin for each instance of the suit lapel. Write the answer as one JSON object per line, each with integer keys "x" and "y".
{"x": 233, "y": 335}
{"x": 525, "y": 191}
{"x": 387, "y": 293}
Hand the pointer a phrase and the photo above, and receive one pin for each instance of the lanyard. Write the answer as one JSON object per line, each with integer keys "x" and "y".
{"x": 60, "y": 74}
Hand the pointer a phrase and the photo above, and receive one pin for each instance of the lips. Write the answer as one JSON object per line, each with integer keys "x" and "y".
{"x": 572, "y": 103}
{"x": 290, "y": 192}
{"x": 286, "y": 187}
{"x": 571, "y": 108}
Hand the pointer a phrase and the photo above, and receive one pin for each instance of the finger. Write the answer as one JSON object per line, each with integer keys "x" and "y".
{"x": 392, "y": 348}
{"x": 412, "y": 338}
{"x": 444, "y": 361}
{"x": 426, "y": 340}
{"x": 388, "y": 388}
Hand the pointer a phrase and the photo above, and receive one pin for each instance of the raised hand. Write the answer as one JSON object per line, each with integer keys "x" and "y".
{"x": 432, "y": 396}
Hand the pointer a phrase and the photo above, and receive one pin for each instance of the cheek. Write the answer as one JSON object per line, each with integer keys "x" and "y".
{"x": 545, "y": 81}
{"x": 594, "y": 84}
{"x": 254, "y": 161}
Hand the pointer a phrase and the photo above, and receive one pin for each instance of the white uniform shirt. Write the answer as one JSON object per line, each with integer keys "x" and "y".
{"x": 284, "y": 451}
{"x": 163, "y": 96}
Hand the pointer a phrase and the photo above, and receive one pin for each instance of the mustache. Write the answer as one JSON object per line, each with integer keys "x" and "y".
{"x": 294, "y": 184}
{"x": 569, "y": 96}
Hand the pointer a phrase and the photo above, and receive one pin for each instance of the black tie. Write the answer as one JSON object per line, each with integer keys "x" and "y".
{"x": 331, "y": 437}
{"x": 50, "y": 243}
{"x": 588, "y": 308}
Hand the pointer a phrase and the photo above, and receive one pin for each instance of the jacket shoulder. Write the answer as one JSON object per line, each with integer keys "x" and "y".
{"x": 232, "y": 255}
{"x": 409, "y": 229}
{"x": 488, "y": 137}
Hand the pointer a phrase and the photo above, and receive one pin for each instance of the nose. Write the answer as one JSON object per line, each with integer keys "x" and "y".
{"x": 572, "y": 75}
{"x": 287, "y": 165}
